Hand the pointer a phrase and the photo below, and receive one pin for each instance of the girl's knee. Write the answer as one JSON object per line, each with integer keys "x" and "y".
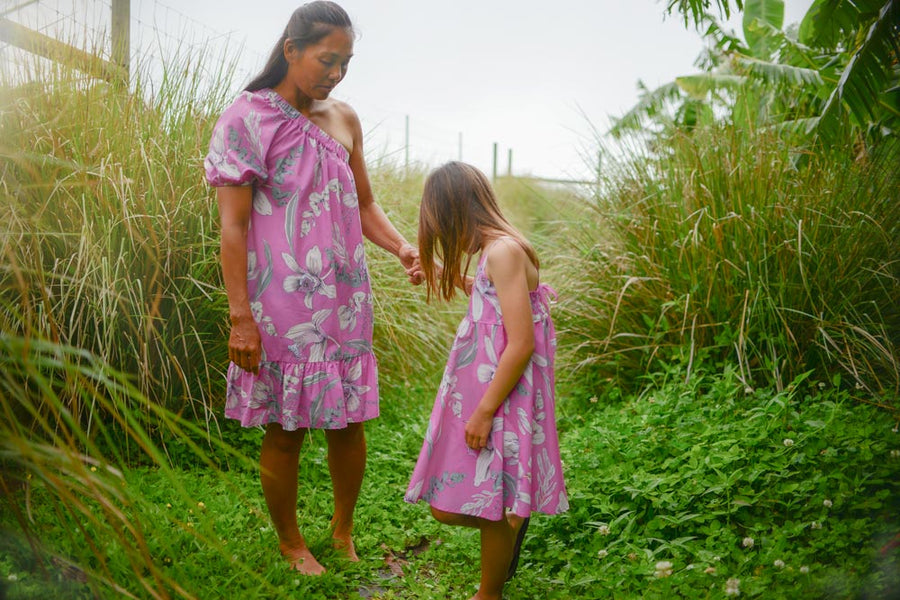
{"x": 443, "y": 517}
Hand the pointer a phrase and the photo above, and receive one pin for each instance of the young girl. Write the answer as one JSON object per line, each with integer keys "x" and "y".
{"x": 491, "y": 455}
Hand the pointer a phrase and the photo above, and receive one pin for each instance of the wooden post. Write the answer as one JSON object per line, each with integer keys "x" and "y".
{"x": 494, "y": 171}
{"x": 460, "y": 147}
{"x": 509, "y": 163}
{"x": 48, "y": 47}
{"x": 406, "y": 146}
{"x": 121, "y": 35}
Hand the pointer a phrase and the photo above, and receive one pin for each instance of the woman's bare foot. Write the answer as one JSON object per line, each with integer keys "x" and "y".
{"x": 344, "y": 545}
{"x": 302, "y": 560}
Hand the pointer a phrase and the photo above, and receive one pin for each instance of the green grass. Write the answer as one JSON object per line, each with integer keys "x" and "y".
{"x": 675, "y": 474}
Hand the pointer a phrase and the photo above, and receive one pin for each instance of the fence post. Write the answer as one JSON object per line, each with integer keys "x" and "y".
{"x": 494, "y": 170}
{"x": 509, "y": 163}
{"x": 121, "y": 36}
{"x": 406, "y": 146}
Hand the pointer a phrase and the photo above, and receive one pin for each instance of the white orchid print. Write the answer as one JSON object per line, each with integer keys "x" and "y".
{"x": 310, "y": 335}
{"x": 261, "y": 203}
{"x": 218, "y": 156}
{"x": 487, "y": 370}
{"x": 347, "y": 314}
{"x": 309, "y": 281}
{"x": 318, "y": 201}
{"x": 352, "y": 391}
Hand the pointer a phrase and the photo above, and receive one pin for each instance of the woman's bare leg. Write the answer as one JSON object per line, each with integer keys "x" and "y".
{"x": 279, "y": 461}
{"x": 347, "y": 464}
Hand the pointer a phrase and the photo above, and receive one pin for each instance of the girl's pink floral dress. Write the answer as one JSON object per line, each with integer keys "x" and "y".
{"x": 306, "y": 269}
{"x": 520, "y": 468}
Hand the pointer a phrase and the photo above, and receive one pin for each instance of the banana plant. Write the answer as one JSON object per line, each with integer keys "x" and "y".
{"x": 835, "y": 75}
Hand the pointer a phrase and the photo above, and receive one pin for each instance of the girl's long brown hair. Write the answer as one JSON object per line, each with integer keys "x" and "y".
{"x": 458, "y": 209}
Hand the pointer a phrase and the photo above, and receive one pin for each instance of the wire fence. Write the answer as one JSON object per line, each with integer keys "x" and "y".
{"x": 162, "y": 35}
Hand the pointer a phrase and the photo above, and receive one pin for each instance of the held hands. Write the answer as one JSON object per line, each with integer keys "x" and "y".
{"x": 245, "y": 344}
{"x": 409, "y": 258}
{"x": 478, "y": 429}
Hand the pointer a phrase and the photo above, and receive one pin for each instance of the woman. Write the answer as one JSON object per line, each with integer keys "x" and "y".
{"x": 294, "y": 202}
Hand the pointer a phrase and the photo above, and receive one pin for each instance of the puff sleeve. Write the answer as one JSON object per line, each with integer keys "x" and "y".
{"x": 236, "y": 149}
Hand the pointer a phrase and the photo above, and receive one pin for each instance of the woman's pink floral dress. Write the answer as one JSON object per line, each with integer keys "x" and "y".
{"x": 306, "y": 269}
{"x": 520, "y": 468}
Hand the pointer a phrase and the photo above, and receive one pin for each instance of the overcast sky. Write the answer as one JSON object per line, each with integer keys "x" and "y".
{"x": 533, "y": 76}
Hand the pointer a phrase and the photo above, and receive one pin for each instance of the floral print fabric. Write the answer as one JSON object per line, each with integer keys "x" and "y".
{"x": 306, "y": 269}
{"x": 520, "y": 468}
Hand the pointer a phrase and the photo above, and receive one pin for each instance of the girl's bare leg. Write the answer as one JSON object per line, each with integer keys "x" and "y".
{"x": 347, "y": 464}
{"x": 279, "y": 462}
{"x": 497, "y": 541}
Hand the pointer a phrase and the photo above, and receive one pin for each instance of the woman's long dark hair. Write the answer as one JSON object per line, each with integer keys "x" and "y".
{"x": 309, "y": 24}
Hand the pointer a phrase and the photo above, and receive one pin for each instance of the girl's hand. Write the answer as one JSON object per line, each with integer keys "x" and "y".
{"x": 245, "y": 345}
{"x": 409, "y": 258}
{"x": 478, "y": 430}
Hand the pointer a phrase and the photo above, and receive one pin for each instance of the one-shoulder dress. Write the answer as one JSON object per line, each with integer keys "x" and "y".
{"x": 306, "y": 269}
{"x": 520, "y": 469}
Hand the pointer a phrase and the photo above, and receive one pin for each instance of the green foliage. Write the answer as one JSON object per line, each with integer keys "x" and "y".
{"x": 723, "y": 250}
{"x": 685, "y": 473}
{"x": 832, "y": 83}
{"x": 680, "y": 473}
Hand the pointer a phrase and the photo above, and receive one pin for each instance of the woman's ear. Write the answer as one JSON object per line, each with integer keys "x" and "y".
{"x": 290, "y": 50}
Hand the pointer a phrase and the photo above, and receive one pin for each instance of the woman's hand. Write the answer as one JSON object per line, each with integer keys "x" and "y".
{"x": 409, "y": 258}
{"x": 478, "y": 430}
{"x": 245, "y": 344}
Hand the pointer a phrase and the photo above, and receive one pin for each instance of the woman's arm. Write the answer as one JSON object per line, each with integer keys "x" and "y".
{"x": 244, "y": 343}
{"x": 507, "y": 265}
{"x": 375, "y": 224}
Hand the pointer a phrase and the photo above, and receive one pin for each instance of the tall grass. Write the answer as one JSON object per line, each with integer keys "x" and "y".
{"x": 112, "y": 325}
{"x": 721, "y": 249}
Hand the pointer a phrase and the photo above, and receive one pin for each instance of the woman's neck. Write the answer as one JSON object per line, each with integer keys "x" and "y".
{"x": 293, "y": 96}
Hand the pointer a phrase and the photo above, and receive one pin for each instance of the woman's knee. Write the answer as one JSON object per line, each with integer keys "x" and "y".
{"x": 281, "y": 440}
{"x": 352, "y": 434}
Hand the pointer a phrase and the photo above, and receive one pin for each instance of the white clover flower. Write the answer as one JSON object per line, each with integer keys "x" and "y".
{"x": 663, "y": 569}
{"x": 779, "y": 564}
{"x": 815, "y": 525}
{"x": 710, "y": 570}
{"x": 201, "y": 505}
{"x": 732, "y": 587}
{"x": 788, "y": 442}
{"x": 603, "y": 530}
{"x": 13, "y": 577}
{"x": 804, "y": 569}
{"x": 748, "y": 390}
{"x": 717, "y": 558}
{"x": 593, "y": 399}
{"x": 602, "y": 553}
{"x": 895, "y": 453}
{"x": 748, "y": 542}
{"x": 690, "y": 567}
{"x": 896, "y": 428}
{"x": 826, "y": 503}
{"x": 821, "y": 385}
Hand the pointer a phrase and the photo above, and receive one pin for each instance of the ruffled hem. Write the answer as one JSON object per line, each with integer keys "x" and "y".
{"x": 321, "y": 395}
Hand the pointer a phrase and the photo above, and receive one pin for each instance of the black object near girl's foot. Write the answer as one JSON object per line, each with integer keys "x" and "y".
{"x": 514, "y": 563}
